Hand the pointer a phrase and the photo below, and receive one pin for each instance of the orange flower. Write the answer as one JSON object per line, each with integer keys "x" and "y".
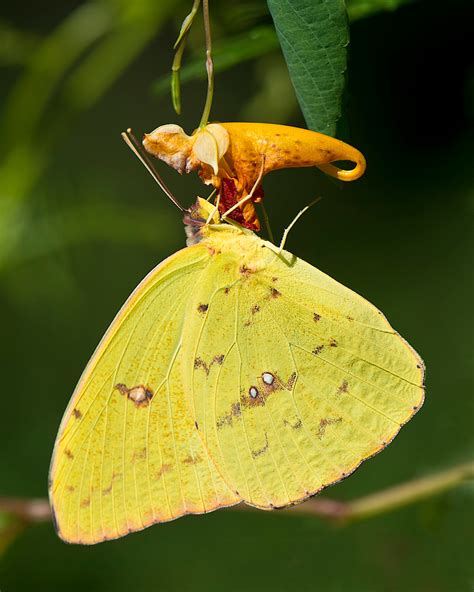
{"x": 243, "y": 153}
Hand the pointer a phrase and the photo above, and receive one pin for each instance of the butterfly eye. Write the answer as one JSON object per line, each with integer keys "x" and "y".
{"x": 253, "y": 392}
{"x": 268, "y": 378}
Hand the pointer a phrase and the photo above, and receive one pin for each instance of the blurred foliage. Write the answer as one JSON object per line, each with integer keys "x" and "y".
{"x": 227, "y": 52}
{"x": 69, "y": 71}
{"x": 16, "y": 45}
{"x": 357, "y": 9}
{"x": 81, "y": 224}
{"x": 10, "y": 528}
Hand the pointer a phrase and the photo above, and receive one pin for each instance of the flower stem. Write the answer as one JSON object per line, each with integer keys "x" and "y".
{"x": 209, "y": 65}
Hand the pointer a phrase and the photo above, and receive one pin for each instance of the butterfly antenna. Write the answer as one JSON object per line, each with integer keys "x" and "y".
{"x": 295, "y": 220}
{"x": 136, "y": 148}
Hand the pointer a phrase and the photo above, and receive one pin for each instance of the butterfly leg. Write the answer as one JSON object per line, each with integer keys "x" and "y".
{"x": 214, "y": 210}
{"x": 295, "y": 220}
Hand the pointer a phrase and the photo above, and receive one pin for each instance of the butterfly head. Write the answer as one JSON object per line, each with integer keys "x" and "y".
{"x": 202, "y": 220}
{"x": 199, "y": 214}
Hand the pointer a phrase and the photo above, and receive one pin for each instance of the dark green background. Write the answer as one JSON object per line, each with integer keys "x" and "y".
{"x": 94, "y": 224}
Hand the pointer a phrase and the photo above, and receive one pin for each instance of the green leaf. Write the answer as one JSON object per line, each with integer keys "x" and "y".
{"x": 314, "y": 35}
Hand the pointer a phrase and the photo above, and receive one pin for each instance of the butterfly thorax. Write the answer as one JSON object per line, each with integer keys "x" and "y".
{"x": 236, "y": 246}
{"x": 236, "y": 252}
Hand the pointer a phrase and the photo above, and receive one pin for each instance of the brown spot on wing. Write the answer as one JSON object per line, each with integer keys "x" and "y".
{"x": 200, "y": 363}
{"x": 192, "y": 460}
{"x": 85, "y": 503}
{"x": 244, "y": 270}
{"x": 343, "y": 388}
{"x": 139, "y": 455}
{"x": 165, "y": 468}
{"x": 317, "y": 350}
{"x": 333, "y": 343}
{"x": 262, "y": 392}
{"x": 324, "y": 423}
{"x": 275, "y": 293}
{"x": 69, "y": 454}
{"x": 290, "y": 382}
{"x": 140, "y": 395}
{"x": 116, "y": 476}
{"x": 203, "y": 308}
{"x": 265, "y": 390}
{"x": 255, "y": 308}
{"x": 76, "y": 413}
{"x": 262, "y": 450}
{"x": 294, "y": 426}
{"x": 228, "y": 418}
{"x": 316, "y": 317}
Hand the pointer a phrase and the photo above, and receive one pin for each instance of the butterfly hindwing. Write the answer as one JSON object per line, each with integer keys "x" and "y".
{"x": 296, "y": 379}
{"x": 128, "y": 453}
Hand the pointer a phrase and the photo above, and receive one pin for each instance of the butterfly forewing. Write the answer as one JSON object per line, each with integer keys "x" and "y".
{"x": 128, "y": 453}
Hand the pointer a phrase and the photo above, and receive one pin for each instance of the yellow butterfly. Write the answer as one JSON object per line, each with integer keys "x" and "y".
{"x": 234, "y": 372}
